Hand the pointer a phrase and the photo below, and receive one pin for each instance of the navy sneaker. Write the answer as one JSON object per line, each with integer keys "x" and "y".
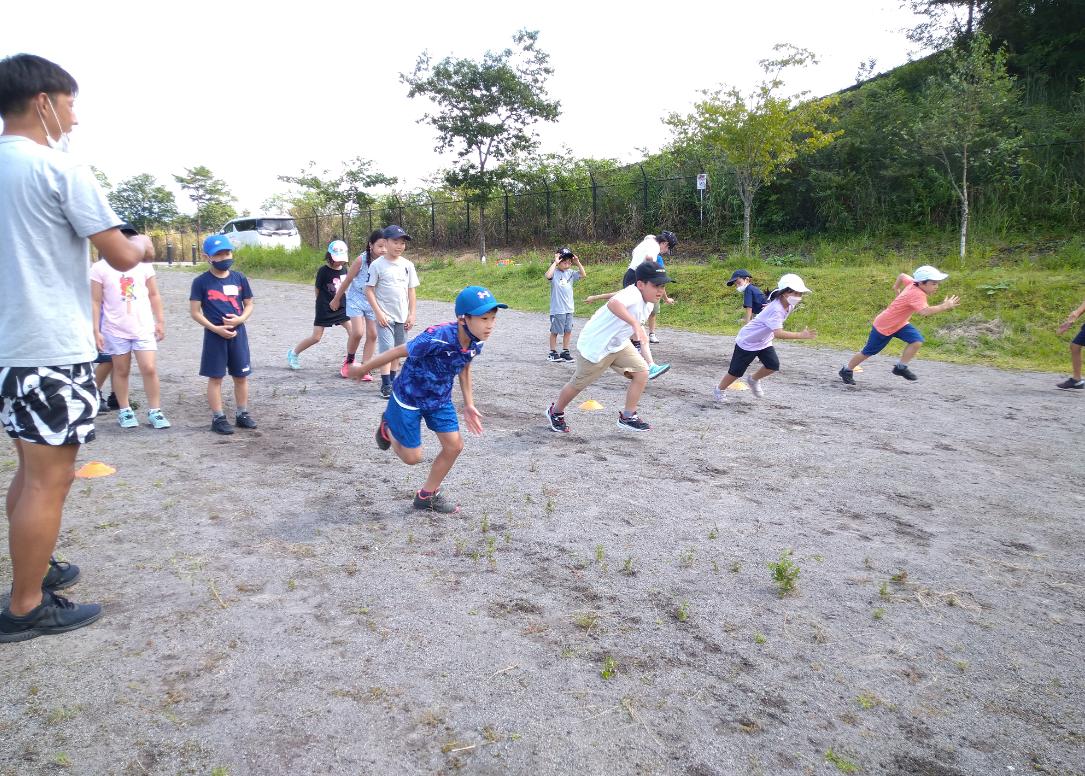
{"x": 244, "y": 420}
{"x": 847, "y": 375}
{"x": 903, "y": 371}
{"x": 220, "y": 425}
{"x": 557, "y": 420}
{"x": 61, "y": 574}
{"x": 632, "y": 422}
{"x": 55, "y": 614}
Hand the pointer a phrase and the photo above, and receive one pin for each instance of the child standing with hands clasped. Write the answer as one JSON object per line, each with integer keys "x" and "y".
{"x": 423, "y": 391}
{"x": 221, "y": 302}
{"x": 561, "y": 278}
{"x": 328, "y": 280}
{"x": 390, "y": 291}
{"x": 1075, "y": 381}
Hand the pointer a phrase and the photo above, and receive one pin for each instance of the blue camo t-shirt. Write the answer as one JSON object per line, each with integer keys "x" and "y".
{"x": 434, "y": 358}
{"x": 754, "y": 298}
{"x": 220, "y": 296}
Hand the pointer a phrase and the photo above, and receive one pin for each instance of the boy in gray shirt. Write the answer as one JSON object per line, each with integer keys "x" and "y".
{"x": 561, "y": 279}
{"x": 390, "y": 291}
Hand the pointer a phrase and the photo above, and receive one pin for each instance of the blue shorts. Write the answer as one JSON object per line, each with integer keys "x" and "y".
{"x": 406, "y": 424}
{"x": 358, "y": 305}
{"x": 877, "y": 341}
{"x": 1080, "y": 338}
{"x": 222, "y": 355}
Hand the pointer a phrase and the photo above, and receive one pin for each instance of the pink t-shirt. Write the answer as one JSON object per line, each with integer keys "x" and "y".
{"x": 126, "y": 307}
{"x": 759, "y": 333}
{"x": 894, "y": 317}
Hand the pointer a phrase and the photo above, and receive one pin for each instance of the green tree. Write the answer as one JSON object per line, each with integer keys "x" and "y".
{"x": 944, "y": 22}
{"x": 340, "y": 194}
{"x": 965, "y": 119}
{"x": 485, "y": 110}
{"x": 209, "y": 194}
{"x": 757, "y": 134}
{"x": 140, "y": 201}
{"x": 102, "y": 179}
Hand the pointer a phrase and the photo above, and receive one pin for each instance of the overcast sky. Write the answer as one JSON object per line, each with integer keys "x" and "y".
{"x": 256, "y": 90}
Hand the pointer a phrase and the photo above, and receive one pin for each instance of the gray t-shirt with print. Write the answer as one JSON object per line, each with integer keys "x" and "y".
{"x": 561, "y": 290}
{"x": 50, "y": 204}
{"x": 390, "y": 281}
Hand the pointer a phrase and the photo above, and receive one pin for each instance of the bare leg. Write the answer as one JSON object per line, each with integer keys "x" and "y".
{"x": 1075, "y": 360}
{"x": 122, "y": 367}
{"x": 148, "y": 369}
{"x": 308, "y": 342}
{"x": 762, "y": 373}
{"x": 101, "y": 373}
{"x": 370, "y": 340}
{"x": 354, "y": 339}
{"x": 565, "y": 340}
{"x": 726, "y": 381}
{"x": 214, "y": 394}
{"x": 241, "y": 392}
{"x": 568, "y": 393}
{"x": 857, "y": 359}
{"x": 652, "y": 320}
{"x": 451, "y": 447}
{"x": 910, "y": 351}
{"x": 553, "y": 346}
{"x": 633, "y": 393}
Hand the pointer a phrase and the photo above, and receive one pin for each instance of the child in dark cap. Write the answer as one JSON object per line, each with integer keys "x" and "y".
{"x": 753, "y": 298}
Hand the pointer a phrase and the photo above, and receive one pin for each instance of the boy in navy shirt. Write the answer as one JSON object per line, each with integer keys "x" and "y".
{"x": 423, "y": 390}
{"x": 221, "y": 302}
{"x": 753, "y": 298}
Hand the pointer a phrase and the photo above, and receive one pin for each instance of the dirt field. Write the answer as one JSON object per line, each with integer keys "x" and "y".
{"x": 274, "y": 606}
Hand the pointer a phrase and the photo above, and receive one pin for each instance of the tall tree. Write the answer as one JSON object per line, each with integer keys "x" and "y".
{"x": 758, "y": 134}
{"x": 209, "y": 194}
{"x": 965, "y": 119}
{"x": 485, "y": 110}
{"x": 140, "y": 201}
{"x": 340, "y": 194}
{"x": 944, "y": 22}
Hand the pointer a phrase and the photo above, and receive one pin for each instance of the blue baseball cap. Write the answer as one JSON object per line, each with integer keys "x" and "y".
{"x": 395, "y": 232}
{"x": 217, "y": 243}
{"x": 476, "y": 300}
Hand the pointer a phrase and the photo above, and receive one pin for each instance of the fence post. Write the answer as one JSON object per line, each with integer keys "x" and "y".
{"x": 343, "y": 224}
{"x": 193, "y": 254}
{"x": 645, "y": 178}
{"x": 169, "y": 253}
{"x": 317, "y": 221}
{"x": 506, "y": 215}
{"x": 467, "y": 206}
{"x": 547, "y": 184}
{"x": 594, "y": 198}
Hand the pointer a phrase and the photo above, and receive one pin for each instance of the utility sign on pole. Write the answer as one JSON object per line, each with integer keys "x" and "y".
{"x": 702, "y": 184}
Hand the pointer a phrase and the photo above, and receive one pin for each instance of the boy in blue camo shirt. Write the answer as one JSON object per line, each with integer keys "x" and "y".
{"x": 423, "y": 391}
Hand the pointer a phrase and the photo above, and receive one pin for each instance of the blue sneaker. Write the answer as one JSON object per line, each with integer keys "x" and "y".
{"x": 126, "y": 418}
{"x": 292, "y": 359}
{"x": 157, "y": 419}
{"x": 655, "y": 370}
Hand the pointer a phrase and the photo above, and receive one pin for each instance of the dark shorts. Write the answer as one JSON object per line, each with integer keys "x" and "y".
{"x": 326, "y": 317}
{"x": 103, "y": 358}
{"x": 49, "y": 405}
{"x": 406, "y": 424}
{"x": 741, "y": 360}
{"x": 877, "y": 341}
{"x": 225, "y": 355}
{"x": 630, "y": 278}
{"x": 1080, "y": 338}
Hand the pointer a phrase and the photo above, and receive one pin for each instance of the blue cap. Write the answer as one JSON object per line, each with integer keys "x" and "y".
{"x": 476, "y": 300}
{"x": 395, "y": 232}
{"x": 217, "y": 243}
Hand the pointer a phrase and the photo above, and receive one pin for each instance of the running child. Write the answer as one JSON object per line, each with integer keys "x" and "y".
{"x": 914, "y": 291}
{"x": 390, "y": 290}
{"x": 128, "y": 318}
{"x": 221, "y": 302}
{"x": 755, "y": 339}
{"x": 652, "y": 248}
{"x": 604, "y": 342}
{"x": 753, "y": 298}
{"x": 561, "y": 278}
{"x": 1075, "y": 381}
{"x": 362, "y": 318}
{"x": 423, "y": 391}
{"x": 328, "y": 281}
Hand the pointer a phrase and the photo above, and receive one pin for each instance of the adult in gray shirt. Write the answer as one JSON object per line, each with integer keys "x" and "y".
{"x": 50, "y": 205}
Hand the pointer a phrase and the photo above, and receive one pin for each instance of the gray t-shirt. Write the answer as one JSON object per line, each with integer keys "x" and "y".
{"x": 561, "y": 290}
{"x": 50, "y": 204}
{"x": 390, "y": 281}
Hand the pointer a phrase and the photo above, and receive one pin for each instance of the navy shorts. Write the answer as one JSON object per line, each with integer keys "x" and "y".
{"x": 1080, "y": 338}
{"x": 222, "y": 355}
{"x": 877, "y": 341}
{"x": 103, "y": 358}
{"x": 741, "y": 360}
{"x": 405, "y": 424}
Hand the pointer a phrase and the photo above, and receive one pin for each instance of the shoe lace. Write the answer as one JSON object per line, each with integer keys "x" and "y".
{"x": 59, "y": 565}
{"x": 58, "y": 601}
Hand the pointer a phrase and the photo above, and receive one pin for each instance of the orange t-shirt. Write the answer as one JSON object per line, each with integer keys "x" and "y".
{"x": 895, "y": 317}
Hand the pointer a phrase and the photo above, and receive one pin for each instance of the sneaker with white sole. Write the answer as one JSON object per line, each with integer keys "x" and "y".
{"x": 567, "y": 356}
{"x": 1071, "y": 383}
{"x": 292, "y": 359}
{"x": 655, "y": 370}
{"x": 126, "y": 418}
{"x": 557, "y": 420}
{"x": 632, "y": 422}
{"x": 755, "y": 388}
{"x": 553, "y": 357}
{"x": 652, "y": 338}
{"x": 719, "y": 394}
{"x": 157, "y": 419}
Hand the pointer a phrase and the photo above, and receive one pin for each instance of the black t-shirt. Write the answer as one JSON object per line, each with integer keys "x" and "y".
{"x": 327, "y": 283}
{"x": 754, "y": 298}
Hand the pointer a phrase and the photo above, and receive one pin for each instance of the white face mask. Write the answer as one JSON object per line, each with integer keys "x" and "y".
{"x": 793, "y": 301}
{"x": 64, "y": 143}
{"x": 741, "y": 288}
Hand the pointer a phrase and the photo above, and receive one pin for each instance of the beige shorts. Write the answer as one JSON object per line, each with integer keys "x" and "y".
{"x": 625, "y": 360}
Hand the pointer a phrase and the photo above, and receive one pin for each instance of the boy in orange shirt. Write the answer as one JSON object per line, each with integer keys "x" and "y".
{"x": 893, "y": 321}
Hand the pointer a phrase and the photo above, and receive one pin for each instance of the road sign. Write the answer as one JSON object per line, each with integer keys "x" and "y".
{"x": 702, "y": 182}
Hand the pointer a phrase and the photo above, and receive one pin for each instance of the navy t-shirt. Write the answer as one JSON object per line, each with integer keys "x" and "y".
{"x": 434, "y": 358}
{"x": 754, "y": 298}
{"x": 220, "y": 296}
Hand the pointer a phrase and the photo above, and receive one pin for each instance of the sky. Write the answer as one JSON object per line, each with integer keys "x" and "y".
{"x": 258, "y": 90}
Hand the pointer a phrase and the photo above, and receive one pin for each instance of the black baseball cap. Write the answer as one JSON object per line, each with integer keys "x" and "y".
{"x": 394, "y": 232}
{"x": 738, "y": 273}
{"x": 566, "y": 252}
{"x": 653, "y": 273}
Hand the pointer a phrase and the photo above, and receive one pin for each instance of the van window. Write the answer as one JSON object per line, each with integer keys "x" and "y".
{"x": 276, "y": 225}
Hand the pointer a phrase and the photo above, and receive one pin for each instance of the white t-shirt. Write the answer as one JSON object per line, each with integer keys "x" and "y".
{"x": 126, "y": 305}
{"x": 605, "y": 332}
{"x": 50, "y": 203}
{"x": 647, "y": 250}
{"x": 759, "y": 333}
{"x": 390, "y": 281}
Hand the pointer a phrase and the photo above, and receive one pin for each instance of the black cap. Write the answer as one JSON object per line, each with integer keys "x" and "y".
{"x": 394, "y": 232}
{"x": 566, "y": 252}
{"x": 651, "y": 272}
{"x": 668, "y": 237}
{"x": 128, "y": 229}
{"x": 738, "y": 273}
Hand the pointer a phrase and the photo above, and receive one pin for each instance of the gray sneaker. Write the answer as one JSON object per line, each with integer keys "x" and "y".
{"x": 905, "y": 372}
{"x": 847, "y": 375}
{"x": 55, "y": 614}
{"x": 1071, "y": 383}
{"x": 435, "y": 503}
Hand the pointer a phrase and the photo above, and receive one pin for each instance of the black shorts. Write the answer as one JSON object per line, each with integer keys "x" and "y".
{"x": 221, "y": 355}
{"x": 630, "y": 278}
{"x": 49, "y": 405}
{"x": 1080, "y": 338}
{"x": 741, "y": 360}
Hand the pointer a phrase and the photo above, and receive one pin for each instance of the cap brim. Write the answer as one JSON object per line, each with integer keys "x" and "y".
{"x": 732, "y": 281}
{"x": 482, "y": 309}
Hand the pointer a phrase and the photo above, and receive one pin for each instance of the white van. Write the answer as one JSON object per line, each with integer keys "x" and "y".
{"x": 269, "y": 231}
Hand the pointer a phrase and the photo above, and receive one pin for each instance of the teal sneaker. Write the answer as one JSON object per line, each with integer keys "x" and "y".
{"x": 157, "y": 419}
{"x": 292, "y": 359}
{"x": 655, "y": 370}
{"x": 126, "y": 418}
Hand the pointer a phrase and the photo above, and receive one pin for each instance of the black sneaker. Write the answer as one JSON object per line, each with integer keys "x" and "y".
{"x": 386, "y": 390}
{"x": 55, "y": 614}
{"x": 557, "y": 420}
{"x": 567, "y": 356}
{"x": 632, "y": 422}
{"x": 847, "y": 375}
{"x": 111, "y": 402}
{"x": 553, "y": 357}
{"x": 244, "y": 420}
{"x": 383, "y": 442}
{"x": 436, "y": 503}
{"x": 220, "y": 425}
{"x": 61, "y": 574}
{"x": 905, "y": 372}
{"x": 1071, "y": 383}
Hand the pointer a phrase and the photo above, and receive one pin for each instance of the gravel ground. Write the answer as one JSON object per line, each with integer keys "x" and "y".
{"x": 274, "y": 605}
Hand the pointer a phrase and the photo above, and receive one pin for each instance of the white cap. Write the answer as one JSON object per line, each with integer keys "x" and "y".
{"x": 794, "y": 282}
{"x": 338, "y": 250}
{"x": 927, "y": 272}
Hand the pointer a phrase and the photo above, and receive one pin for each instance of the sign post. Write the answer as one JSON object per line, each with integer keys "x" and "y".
{"x": 702, "y": 184}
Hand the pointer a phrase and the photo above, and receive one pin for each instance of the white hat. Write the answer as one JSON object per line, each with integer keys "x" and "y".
{"x": 794, "y": 282}
{"x": 927, "y": 272}
{"x": 338, "y": 250}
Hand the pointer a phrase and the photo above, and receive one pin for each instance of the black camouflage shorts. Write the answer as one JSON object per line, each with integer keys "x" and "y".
{"x": 49, "y": 405}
